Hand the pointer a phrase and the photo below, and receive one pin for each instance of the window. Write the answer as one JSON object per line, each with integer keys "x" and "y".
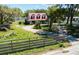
{"x": 38, "y": 16}
{"x": 44, "y": 16}
{"x": 32, "y": 16}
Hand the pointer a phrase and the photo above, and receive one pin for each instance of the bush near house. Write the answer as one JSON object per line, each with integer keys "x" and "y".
{"x": 37, "y": 26}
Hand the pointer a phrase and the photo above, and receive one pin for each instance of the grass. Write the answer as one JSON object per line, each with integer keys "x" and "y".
{"x": 18, "y": 33}
{"x": 43, "y": 27}
{"x": 21, "y": 34}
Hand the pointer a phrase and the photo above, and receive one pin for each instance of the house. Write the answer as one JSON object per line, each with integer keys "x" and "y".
{"x": 36, "y": 17}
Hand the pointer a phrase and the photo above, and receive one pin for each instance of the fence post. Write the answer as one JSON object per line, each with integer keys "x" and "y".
{"x": 11, "y": 46}
{"x": 44, "y": 42}
{"x": 29, "y": 43}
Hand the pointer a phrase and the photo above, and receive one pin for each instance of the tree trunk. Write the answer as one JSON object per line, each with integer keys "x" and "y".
{"x": 50, "y": 25}
{"x": 71, "y": 20}
{"x": 67, "y": 20}
{"x": 1, "y": 16}
{"x": 71, "y": 15}
{"x": 68, "y": 15}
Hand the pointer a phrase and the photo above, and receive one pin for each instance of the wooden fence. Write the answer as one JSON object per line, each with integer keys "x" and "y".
{"x": 10, "y": 46}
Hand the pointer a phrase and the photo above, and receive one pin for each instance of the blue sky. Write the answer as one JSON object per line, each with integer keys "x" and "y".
{"x": 25, "y": 7}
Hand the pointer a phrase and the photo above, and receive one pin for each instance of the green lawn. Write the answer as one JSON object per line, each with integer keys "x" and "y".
{"x": 44, "y": 27}
{"x": 18, "y": 33}
{"x": 21, "y": 34}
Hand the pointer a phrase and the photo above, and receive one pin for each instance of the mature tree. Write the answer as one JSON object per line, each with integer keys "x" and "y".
{"x": 3, "y": 12}
{"x": 8, "y": 14}
{"x": 71, "y": 11}
{"x": 17, "y": 12}
{"x": 51, "y": 15}
{"x": 56, "y": 13}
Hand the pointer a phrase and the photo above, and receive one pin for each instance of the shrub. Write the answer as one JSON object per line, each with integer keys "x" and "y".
{"x": 37, "y": 26}
{"x": 55, "y": 28}
{"x": 20, "y": 22}
{"x": 10, "y": 22}
{"x": 26, "y": 22}
{"x": 61, "y": 45}
{"x": 72, "y": 30}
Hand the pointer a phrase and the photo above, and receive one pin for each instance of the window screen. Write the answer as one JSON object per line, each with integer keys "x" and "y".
{"x": 38, "y": 16}
{"x": 43, "y": 16}
{"x": 32, "y": 16}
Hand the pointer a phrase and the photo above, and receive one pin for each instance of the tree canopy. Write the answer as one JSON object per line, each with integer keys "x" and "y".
{"x": 8, "y": 14}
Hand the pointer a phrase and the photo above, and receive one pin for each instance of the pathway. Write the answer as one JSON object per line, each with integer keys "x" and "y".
{"x": 30, "y": 28}
{"x": 73, "y": 50}
{"x": 39, "y": 31}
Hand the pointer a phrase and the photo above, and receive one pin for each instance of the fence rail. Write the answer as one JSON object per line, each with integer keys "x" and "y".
{"x": 11, "y": 46}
